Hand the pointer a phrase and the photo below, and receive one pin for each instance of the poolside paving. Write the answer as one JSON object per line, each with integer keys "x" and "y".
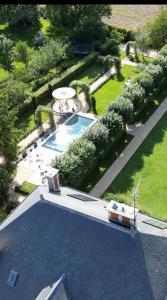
{"x": 128, "y": 152}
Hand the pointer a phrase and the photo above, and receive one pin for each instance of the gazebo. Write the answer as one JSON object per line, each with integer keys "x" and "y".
{"x": 65, "y": 101}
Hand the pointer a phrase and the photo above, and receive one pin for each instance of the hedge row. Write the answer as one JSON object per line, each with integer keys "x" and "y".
{"x": 44, "y": 93}
{"x": 83, "y": 154}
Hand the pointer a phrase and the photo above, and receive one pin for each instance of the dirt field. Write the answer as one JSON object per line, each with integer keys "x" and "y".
{"x": 132, "y": 16}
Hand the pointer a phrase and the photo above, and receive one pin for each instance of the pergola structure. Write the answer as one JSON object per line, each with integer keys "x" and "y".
{"x": 65, "y": 101}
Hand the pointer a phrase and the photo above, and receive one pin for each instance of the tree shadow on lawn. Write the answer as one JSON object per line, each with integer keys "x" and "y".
{"x": 124, "y": 181}
{"x": 120, "y": 77}
{"x": 17, "y": 33}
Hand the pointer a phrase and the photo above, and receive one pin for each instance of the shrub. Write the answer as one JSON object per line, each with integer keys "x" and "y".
{"x": 156, "y": 72}
{"x": 160, "y": 60}
{"x": 22, "y": 74}
{"x": 98, "y": 134}
{"x": 123, "y": 107}
{"x": 163, "y": 51}
{"x": 26, "y": 188}
{"x": 22, "y": 52}
{"x": 114, "y": 123}
{"x": 76, "y": 163}
{"x": 157, "y": 29}
{"x": 136, "y": 94}
{"x": 15, "y": 91}
{"x": 108, "y": 46}
{"x": 9, "y": 206}
{"x": 46, "y": 58}
{"x": 146, "y": 81}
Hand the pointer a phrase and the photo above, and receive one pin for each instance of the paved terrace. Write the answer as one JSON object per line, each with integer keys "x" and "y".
{"x": 140, "y": 135}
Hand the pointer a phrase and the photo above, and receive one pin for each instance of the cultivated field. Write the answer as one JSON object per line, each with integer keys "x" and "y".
{"x": 132, "y": 16}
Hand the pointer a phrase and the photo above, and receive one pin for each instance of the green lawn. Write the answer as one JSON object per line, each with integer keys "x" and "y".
{"x": 149, "y": 164}
{"x": 105, "y": 163}
{"x": 111, "y": 90}
{"x": 141, "y": 59}
{"x": 92, "y": 72}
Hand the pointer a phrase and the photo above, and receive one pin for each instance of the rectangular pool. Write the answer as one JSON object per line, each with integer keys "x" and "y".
{"x": 71, "y": 129}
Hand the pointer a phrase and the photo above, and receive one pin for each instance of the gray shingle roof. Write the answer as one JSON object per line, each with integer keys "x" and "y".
{"x": 101, "y": 262}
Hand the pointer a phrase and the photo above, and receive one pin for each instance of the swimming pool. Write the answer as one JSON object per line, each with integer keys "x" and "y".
{"x": 71, "y": 129}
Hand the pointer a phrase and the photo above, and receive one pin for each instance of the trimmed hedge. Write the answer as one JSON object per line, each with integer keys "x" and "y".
{"x": 98, "y": 134}
{"x": 76, "y": 163}
{"x": 44, "y": 93}
{"x": 124, "y": 107}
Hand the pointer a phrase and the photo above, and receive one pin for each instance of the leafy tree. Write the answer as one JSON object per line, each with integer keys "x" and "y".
{"x": 15, "y": 93}
{"x": 8, "y": 141}
{"x": 46, "y": 58}
{"x": 161, "y": 60}
{"x": 156, "y": 72}
{"x": 141, "y": 39}
{"x": 163, "y": 51}
{"x": 146, "y": 81}
{"x": 114, "y": 123}
{"x": 5, "y": 183}
{"x": 136, "y": 94}
{"x": 98, "y": 134}
{"x": 22, "y": 52}
{"x": 78, "y": 18}
{"x": 19, "y": 14}
{"x": 76, "y": 162}
{"x": 6, "y": 53}
{"x": 123, "y": 107}
{"x": 157, "y": 29}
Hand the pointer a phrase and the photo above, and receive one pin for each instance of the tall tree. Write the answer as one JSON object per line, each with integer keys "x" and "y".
{"x": 22, "y": 52}
{"x": 81, "y": 19}
{"x": 157, "y": 29}
{"x": 141, "y": 39}
{"x": 19, "y": 14}
{"x": 6, "y": 53}
{"x": 8, "y": 134}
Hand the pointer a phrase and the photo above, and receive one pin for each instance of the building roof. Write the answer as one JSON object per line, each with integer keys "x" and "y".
{"x": 43, "y": 240}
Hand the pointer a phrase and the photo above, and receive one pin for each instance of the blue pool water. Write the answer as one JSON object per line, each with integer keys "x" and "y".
{"x": 73, "y": 128}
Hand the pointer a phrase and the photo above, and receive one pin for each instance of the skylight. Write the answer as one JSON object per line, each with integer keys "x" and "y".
{"x": 12, "y": 278}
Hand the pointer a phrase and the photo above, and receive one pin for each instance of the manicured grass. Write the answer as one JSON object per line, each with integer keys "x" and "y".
{"x": 111, "y": 90}
{"x": 27, "y": 188}
{"x": 144, "y": 60}
{"x": 104, "y": 164}
{"x": 92, "y": 72}
{"x": 25, "y": 124}
{"x": 149, "y": 164}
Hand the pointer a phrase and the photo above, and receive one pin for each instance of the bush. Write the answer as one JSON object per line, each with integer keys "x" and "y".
{"x": 26, "y": 188}
{"x": 163, "y": 51}
{"x": 22, "y": 74}
{"x": 160, "y": 60}
{"x": 10, "y": 206}
{"x": 136, "y": 94}
{"x": 98, "y": 134}
{"x": 15, "y": 92}
{"x": 126, "y": 34}
{"x": 76, "y": 163}
{"x": 157, "y": 74}
{"x": 46, "y": 58}
{"x": 123, "y": 107}
{"x": 108, "y": 46}
{"x": 114, "y": 123}
{"x": 157, "y": 29}
{"x": 146, "y": 81}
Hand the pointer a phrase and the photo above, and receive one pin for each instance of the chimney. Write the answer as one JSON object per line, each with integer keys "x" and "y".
{"x": 53, "y": 180}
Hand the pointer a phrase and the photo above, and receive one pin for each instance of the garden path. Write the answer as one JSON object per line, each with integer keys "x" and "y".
{"x": 128, "y": 152}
